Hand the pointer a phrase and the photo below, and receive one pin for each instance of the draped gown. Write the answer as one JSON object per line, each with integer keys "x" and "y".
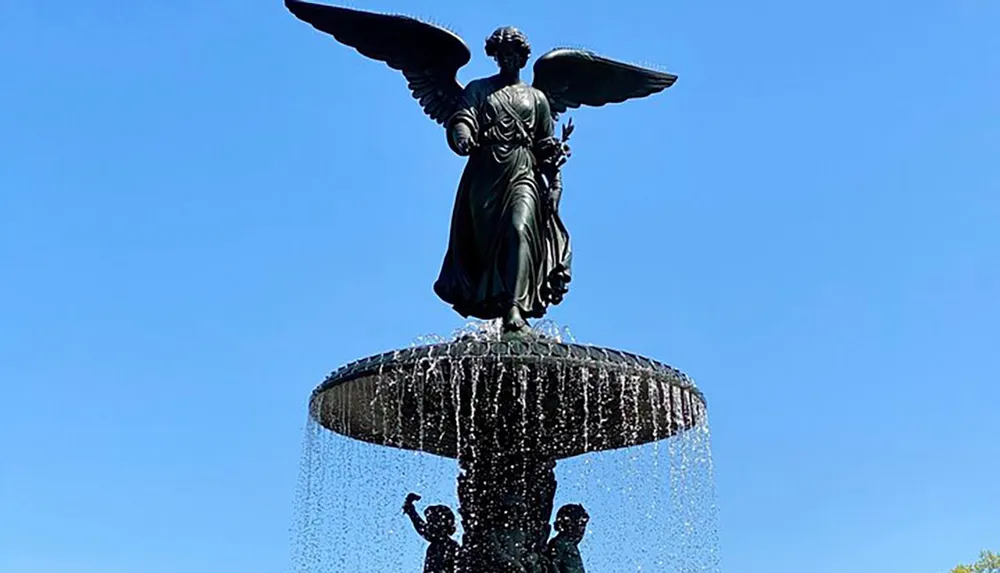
{"x": 507, "y": 245}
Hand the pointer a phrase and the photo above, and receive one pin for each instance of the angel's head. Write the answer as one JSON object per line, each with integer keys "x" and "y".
{"x": 509, "y": 47}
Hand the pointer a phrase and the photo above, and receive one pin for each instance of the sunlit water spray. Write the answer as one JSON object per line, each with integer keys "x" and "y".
{"x": 652, "y": 506}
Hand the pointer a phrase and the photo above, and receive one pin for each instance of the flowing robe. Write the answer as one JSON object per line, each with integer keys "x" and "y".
{"x": 508, "y": 245}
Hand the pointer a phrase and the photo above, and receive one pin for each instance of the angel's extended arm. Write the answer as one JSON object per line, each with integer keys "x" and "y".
{"x": 548, "y": 148}
{"x": 555, "y": 190}
{"x": 544, "y": 123}
{"x": 463, "y": 125}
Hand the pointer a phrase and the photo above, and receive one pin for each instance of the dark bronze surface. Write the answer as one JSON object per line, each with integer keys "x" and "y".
{"x": 509, "y": 253}
{"x": 508, "y": 409}
{"x": 558, "y": 400}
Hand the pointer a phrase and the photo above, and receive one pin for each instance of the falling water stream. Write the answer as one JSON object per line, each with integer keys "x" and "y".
{"x": 652, "y": 507}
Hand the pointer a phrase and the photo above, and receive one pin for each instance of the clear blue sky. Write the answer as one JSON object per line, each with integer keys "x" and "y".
{"x": 205, "y": 206}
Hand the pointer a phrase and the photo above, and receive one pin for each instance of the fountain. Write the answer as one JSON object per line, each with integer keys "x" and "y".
{"x": 506, "y": 402}
{"x": 507, "y": 410}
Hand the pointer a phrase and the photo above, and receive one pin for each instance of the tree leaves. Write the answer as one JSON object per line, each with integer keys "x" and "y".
{"x": 989, "y": 562}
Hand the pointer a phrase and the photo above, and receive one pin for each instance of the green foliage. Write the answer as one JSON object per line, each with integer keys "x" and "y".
{"x": 989, "y": 562}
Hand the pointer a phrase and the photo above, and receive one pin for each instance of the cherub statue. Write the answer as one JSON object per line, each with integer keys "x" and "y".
{"x": 442, "y": 554}
{"x": 508, "y": 255}
{"x": 563, "y": 551}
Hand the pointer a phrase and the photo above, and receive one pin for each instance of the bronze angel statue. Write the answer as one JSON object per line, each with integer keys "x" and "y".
{"x": 508, "y": 255}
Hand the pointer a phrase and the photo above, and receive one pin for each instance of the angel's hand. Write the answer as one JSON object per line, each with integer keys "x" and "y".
{"x": 564, "y": 155}
{"x": 465, "y": 146}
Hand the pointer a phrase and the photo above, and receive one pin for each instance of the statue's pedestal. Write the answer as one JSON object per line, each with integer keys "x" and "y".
{"x": 507, "y": 410}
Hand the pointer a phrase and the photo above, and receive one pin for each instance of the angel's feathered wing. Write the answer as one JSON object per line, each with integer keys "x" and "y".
{"x": 571, "y": 78}
{"x": 428, "y": 56}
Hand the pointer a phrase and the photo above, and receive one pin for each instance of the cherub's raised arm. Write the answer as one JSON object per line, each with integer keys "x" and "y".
{"x": 418, "y": 522}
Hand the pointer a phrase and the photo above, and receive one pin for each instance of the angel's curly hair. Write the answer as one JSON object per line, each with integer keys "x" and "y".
{"x": 512, "y": 36}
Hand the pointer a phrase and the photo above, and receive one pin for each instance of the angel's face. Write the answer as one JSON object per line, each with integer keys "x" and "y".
{"x": 509, "y": 57}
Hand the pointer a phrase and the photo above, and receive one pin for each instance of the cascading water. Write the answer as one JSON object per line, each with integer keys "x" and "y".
{"x": 630, "y": 435}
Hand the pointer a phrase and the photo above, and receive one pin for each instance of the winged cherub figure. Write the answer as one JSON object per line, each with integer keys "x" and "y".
{"x": 509, "y": 254}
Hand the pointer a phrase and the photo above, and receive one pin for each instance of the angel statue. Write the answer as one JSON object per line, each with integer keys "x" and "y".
{"x": 508, "y": 255}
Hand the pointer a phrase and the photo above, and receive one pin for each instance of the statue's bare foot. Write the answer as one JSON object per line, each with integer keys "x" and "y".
{"x": 514, "y": 322}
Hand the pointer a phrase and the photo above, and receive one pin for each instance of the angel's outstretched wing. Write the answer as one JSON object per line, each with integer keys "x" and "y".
{"x": 428, "y": 56}
{"x": 571, "y": 78}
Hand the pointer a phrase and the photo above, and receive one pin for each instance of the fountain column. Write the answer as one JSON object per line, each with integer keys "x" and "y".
{"x": 506, "y": 505}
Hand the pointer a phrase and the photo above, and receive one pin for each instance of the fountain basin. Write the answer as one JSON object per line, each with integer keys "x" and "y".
{"x": 553, "y": 399}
